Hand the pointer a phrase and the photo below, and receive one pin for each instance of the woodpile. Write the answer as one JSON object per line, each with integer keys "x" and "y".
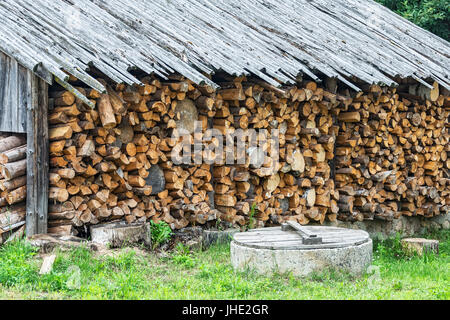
{"x": 382, "y": 153}
{"x": 114, "y": 162}
{"x": 13, "y": 185}
{"x": 392, "y": 155}
{"x": 299, "y": 123}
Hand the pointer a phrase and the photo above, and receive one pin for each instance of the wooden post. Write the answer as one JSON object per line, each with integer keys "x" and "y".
{"x": 37, "y": 158}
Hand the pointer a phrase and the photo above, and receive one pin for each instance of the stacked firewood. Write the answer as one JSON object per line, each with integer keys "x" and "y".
{"x": 386, "y": 151}
{"x": 286, "y": 175}
{"x": 392, "y": 153}
{"x": 115, "y": 162}
{"x": 13, "y": 185}
{"x": 184, "y": 188}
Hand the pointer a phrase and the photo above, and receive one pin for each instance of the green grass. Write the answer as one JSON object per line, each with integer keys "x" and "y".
{"x": 132, "y": 274}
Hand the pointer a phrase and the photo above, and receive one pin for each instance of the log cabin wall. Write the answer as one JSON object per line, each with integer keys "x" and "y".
{"x": 114, "y": 162}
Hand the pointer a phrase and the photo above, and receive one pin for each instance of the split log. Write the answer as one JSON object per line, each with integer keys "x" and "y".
{"x": 106, "y": 112}
{"x": 186, "y": 114}
{"x": 17, "y": 195}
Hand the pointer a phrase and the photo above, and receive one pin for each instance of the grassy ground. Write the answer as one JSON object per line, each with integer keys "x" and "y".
{"x": 134, "y": 274}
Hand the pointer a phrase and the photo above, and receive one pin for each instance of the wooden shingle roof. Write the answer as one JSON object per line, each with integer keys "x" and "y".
{"x": 271, "y": 39}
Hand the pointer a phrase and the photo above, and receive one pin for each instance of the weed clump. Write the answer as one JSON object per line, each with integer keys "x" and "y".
{"x": 161, "y": 233}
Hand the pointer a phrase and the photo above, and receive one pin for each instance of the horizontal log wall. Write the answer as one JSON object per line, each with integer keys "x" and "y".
{"x": 341, "y": 155}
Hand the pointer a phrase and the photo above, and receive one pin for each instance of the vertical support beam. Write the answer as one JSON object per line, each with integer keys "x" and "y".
{"x": 331, "y": 84}
{"x": 211, "y": 194}
{"x": 37, "y": 157}
{"x": 333, "y": 161}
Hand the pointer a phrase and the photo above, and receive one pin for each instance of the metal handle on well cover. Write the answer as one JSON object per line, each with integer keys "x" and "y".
{"x": 307, "y": 237}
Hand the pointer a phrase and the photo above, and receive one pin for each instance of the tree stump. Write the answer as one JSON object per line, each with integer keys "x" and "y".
{"x": 420, "y": 246}
{"x": 119, "y": 234}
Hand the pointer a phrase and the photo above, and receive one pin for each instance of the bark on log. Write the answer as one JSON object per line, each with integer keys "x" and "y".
{"x": 14, "y": 169}
{"x": 11, "y": 142}
{"x": 13, "y": 155}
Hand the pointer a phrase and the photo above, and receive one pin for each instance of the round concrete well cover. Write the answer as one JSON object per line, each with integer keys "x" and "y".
{"x": 273, "y": 250}
{"x": 275, "y": 238}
